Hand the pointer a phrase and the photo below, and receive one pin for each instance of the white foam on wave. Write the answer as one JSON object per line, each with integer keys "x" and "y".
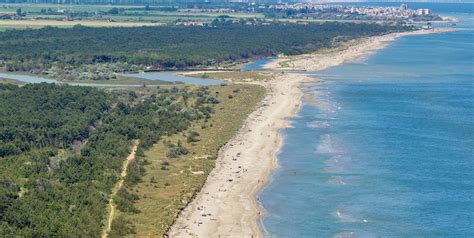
{"x": 318, "y": 124}
{"x": 344, "y": 217}
{"x": 345, "y": 234}
{"x": 326, "y": 146}
{"x": 337, "y": 180}
{"x": 338, "y": 161}
{"x": 330, "y": 108}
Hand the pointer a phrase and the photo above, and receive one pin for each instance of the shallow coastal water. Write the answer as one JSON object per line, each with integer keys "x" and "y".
{"x": 387, "y": 151}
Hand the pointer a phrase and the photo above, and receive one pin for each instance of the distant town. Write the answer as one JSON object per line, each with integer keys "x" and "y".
{"x": 213, "y": 14}
{"x": 330, "y": 11}
{"x": 304, "y": 12}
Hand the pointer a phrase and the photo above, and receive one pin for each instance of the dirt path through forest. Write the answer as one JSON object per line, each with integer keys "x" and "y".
{"x": 117, "y": 187}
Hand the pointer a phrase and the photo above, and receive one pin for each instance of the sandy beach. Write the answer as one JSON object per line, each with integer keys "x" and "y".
{"x": 346, "y": 52}
{"x": 227, "y": 204}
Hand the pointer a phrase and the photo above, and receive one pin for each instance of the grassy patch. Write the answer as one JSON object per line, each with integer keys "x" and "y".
{"x": 10, "y": 81}
{"x": 170, "y": 183}
{"x": 122, "y": 80}
{"x": 235, "y": 76}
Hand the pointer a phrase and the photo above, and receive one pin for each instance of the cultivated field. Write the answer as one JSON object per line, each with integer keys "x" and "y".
{"x": 99, "y": 15}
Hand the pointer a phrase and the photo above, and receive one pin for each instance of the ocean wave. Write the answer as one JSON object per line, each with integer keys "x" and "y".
{"x": 337, "y": 180}
{"x": 338, "y": 160}
{"x": 345, "y": 234}
{"x": 326, "y": 146}
{"x": 345, "y": 217}
{"x": 340, "y": 164}
{"x": 318, "y": 124}
{"x": 350, "y": 234}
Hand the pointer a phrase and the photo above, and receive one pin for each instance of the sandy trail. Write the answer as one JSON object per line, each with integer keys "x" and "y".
{"x": 117, "y": 187}
{"x": 227, "y": 204}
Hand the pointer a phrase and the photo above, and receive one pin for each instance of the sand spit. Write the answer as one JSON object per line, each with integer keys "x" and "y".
{"x": 348, "y": 51}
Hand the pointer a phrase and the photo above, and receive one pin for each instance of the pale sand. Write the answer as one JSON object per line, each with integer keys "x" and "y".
{"x": 346, "y": 52}
{"x": 227, "y": 205}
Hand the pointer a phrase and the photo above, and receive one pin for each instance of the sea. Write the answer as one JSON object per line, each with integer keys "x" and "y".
{"x": 384, "y": 146}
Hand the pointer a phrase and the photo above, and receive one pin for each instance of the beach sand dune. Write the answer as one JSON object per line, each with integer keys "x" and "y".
{"x": 227, "y": 204}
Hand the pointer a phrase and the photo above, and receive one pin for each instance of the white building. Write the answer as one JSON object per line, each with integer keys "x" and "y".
{"x": 423, "y": 11}
{"x": 403, "y": 7}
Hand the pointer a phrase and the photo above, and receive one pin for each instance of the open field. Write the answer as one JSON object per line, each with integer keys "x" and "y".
{"x": 168, "y": 186}
{"x": 122, "y": 80}
{"x": 32, "y": 8}
{"x": 98, "y": 13}
{"x": 170, "y": 18}
{"x": 234, "y": 76}
{"x": 10, "y": 81}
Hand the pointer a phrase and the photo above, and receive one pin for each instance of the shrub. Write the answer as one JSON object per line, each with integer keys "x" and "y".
{"x": 192, "y": 137}
{"x": 121, "y": 227}
{"x": 125, "y": 200}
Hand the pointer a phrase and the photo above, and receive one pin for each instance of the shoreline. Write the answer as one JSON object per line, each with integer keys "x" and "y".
{"x": 227, "y": 204}
{"x": 345, "y": 52}
{"x": 229, "y": 193}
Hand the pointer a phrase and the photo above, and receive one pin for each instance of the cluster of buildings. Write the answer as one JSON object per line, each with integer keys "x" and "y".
{"x": 192, "y": 23}
{"x": 206, "y": 10}
{"x": 387, "y": 12}
{"x": 222, "y": 21}
{"x": 377, "y": 12}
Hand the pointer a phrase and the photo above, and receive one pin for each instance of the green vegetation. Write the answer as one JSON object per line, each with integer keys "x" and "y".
{"x": 68, "y": 148}
{"x": 120, "y": 79}
{"x": 79, "y": 52}
{"x": 42, "y": 116}
{"x": 10, "y": 81}
{"x": 235, "y": 76}
{"x": 62, "y": 148}
{"x": 164, "y": 13}
{"x": 168, "y": 184}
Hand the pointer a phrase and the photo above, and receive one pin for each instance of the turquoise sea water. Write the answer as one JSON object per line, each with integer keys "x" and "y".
{"x": 388, "y": 151}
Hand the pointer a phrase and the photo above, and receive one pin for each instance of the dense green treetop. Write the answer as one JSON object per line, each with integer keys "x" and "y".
{"x": 166, "y": 47}
{"x": 48, "y": 189}
{"x": 46, "y": 115}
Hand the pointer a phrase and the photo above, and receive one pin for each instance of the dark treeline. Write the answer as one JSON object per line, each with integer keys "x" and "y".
{"x": 42, "y": 116}
{"x": 53, "y": 191}
{"x": 168, "y": 47}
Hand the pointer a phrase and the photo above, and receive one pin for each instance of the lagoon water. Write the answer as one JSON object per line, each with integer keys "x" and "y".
{"x": 171, "y": 77}
{"x": 387, "y": 150}
{"x": 256, "y": 64}
{"x": 26, "y": 78}
{"x": 163, "y": 76}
